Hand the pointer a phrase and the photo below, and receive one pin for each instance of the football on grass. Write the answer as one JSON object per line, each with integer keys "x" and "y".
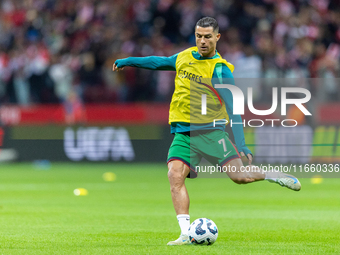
{"x": 203, "y": 231}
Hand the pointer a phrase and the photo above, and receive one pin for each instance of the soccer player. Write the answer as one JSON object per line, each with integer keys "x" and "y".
{"x": 197, "y": 135}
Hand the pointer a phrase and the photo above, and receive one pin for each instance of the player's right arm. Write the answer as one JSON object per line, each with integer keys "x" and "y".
{"x": 152, "y": 63}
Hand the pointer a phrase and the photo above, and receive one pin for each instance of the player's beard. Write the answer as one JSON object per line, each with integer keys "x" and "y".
{"x": 205, "y": 50}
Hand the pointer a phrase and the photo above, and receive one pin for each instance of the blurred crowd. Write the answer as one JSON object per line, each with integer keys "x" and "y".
{"x": 62, "y": 50}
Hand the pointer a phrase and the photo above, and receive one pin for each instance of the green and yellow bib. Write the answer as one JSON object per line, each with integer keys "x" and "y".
{"x": 193, "y": 79}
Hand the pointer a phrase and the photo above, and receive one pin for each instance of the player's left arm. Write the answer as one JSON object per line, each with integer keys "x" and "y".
{"x": 223, "y": 74}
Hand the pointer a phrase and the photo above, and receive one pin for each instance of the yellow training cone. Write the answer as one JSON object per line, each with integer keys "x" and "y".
{"x": 80, "y": 192}
{"x": 109, "y": 177}
{"x": 316, "y": 179}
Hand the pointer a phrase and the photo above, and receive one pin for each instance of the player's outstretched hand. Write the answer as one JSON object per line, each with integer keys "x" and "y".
{"x": 249, "y": 156}
{"x": 116, "y": 67}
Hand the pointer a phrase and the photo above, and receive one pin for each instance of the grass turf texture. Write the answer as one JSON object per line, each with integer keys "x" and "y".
{"x": 39, "y": 214}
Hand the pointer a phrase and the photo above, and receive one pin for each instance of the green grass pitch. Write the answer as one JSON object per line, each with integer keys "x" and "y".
{"x": 39, "y": 214}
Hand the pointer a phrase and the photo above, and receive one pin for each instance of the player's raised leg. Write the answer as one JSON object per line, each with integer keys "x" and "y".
{"x": 178, "y": 171}
{"x": 284, "y": 180}
{"x": 237, "y": 175}
{"x": 251, "y": 173}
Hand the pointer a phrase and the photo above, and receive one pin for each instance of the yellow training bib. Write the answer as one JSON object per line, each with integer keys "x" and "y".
{"x": 193, "y": 79}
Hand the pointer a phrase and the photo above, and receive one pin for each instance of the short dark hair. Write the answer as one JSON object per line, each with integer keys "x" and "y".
{"x": 208, "y": 22}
